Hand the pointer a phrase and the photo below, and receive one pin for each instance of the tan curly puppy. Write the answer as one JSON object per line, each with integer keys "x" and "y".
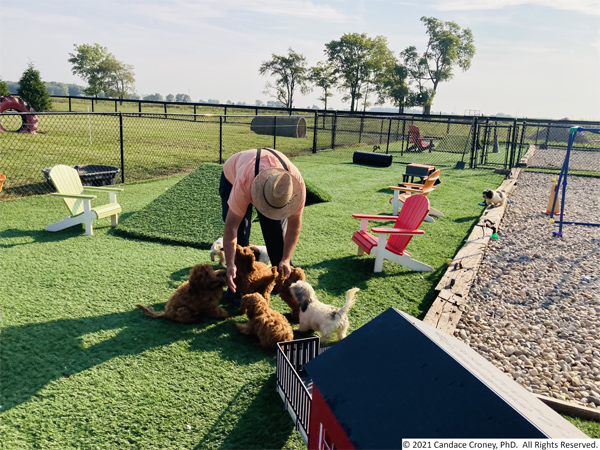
{"x": 328, "y": 320}
{"x": 269, "y": 325}
{"x": 252, "y": 275}
{"x": 199, "y": 297}
{"x": 283, "y": 288}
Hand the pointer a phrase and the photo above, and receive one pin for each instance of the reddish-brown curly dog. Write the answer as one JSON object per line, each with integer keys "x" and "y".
{"x": 195, "y": 298}
{"x": 252, "y": 275}
{"x": 270, "y": 326}
{"x": 283, "y": 288}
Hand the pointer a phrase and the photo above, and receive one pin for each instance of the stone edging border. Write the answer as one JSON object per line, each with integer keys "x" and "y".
{"x": 446, "y": 310}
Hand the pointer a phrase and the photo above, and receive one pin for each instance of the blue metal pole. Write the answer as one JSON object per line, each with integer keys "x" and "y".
{"x": 572, "y": 134}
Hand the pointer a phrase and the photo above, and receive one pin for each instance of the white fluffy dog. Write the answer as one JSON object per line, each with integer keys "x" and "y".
{"x": 495, "y": 198}
{"x": 329, "y": 320}
{"x": 216, "y": 251}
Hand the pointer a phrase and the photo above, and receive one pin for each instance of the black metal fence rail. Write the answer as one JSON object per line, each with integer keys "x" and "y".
{"x": 291, "y": 358}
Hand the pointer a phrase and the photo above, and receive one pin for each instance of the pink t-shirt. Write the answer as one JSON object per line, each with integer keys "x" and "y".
{"x": 239, "y": 171}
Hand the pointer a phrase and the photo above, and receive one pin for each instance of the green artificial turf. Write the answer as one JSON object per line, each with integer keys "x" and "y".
{"x": 189, "y": 213}
{"x": 81, "y": 367}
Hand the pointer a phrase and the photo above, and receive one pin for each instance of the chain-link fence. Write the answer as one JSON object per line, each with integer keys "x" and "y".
{"x": 144, "y": 145}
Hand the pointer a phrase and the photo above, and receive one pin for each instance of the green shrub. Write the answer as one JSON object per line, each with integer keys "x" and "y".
{"x": 33, "y": 90}
{"x": 3, "y": 88}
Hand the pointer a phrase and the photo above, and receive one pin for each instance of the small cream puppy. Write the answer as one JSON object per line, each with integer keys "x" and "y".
{"x": 216, "y": 251}
{"x": 328, "y": 320}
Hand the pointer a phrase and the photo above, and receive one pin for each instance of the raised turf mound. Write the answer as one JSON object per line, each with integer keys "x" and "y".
{"x": 189, "y": 213}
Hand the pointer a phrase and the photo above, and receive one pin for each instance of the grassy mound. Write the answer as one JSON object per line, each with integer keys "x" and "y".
{"x": 189, "y": 213}
{"x": 314, "y": 194}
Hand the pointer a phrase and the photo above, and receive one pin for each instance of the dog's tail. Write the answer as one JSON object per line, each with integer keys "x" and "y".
{"x": 350, "y": 301}
{"x": 150, "y": 312}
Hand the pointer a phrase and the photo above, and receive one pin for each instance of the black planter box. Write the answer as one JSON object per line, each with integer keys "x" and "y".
{"x": 92, "y": 174}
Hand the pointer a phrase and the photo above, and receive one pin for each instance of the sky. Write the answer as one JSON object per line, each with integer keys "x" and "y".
{"x": 535, "y": 58}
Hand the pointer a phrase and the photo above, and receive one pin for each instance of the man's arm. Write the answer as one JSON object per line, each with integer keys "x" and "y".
{"x": 292, "y": 235}
{"x": 232, "y": 223}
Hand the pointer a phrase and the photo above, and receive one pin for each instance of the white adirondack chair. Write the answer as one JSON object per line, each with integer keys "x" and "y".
{"x": 79, "y": 202}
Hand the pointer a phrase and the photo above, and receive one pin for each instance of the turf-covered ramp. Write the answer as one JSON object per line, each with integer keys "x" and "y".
{"x": 189, "y": 213}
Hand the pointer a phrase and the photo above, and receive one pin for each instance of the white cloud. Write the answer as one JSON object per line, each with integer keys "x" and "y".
{"x": 582, "y": 6}
{"x": 188, "y": 12}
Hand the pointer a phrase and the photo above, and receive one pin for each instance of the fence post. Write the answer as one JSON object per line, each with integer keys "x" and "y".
{"x": 92, "y": 104}
{"x": 333, "y": 128}
{"x": 195, "y": 113}
{"x": 165, "y": 110}
{"x": 122, "y": 150}
{"x": 472, "y": 160}
{"x": 362, "y": 124}
{"x": 513, "y": 145}
{"x": 220, "y": 139}
{"x": 388, "y": 140}
{"x": 274, "y": 132}
{"x": 448, "y": 126}
{"x": 225, "y": 109}
{"x": 524, "y": 126}
{"x": 116, "y": 109}
{"x": 315, "y": 132}
{"x": 403, "y": 130}
{"x": 69, "y": 104}
{"x": 140, "y": 108}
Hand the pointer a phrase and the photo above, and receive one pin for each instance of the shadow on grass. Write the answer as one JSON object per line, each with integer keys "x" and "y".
{"x": 39, "y": 236}
{"x": 36, "y": 354}
{"x": 262, "y": 421}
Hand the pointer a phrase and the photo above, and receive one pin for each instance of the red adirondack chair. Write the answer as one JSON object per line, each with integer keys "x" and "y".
{"x": 393, "y": 249}
{"x": 418, "y": 145}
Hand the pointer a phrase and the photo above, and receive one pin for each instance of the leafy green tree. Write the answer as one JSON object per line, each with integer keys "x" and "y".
{"x": 290, "y": 74}
{"x": 55, "y": 88}
{"x": 119, "y": 78}
{"x": 212, "y": 100}
{"x": 259, "y": 103}
{"x": 393, "y": 85}
{"x": 3, "y": 88}
{"x": 33, "y": 91}
{"x": 87, "y": 64}
{"x": 357, "y": 61}
{"x": 102, "y": 71}
{"x": 154, "y": 97}
{"x": 74, "y": 90}
{"x": 416, "y": 66}
{"x": 170, "y": 98}
{"x": 448, "y": 46}
{"x": 323, "y": 76}
{"x": 183, "y": 98}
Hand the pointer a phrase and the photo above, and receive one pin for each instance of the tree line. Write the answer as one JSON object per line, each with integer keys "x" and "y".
{"x": 365, "y": 70}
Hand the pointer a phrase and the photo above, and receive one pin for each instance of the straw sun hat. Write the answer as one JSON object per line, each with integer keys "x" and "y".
{"x": 276, "y": 194}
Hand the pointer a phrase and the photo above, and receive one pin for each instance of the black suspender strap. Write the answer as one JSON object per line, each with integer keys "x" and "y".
{"x": 257, "y": 163}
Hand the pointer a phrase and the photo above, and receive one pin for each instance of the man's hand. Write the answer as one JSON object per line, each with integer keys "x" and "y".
{"x": 231, "y": 272}
{"x": 285, "y": 269}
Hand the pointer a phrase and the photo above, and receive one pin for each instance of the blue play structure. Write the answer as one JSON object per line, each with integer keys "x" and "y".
{"x": 562, "y": 182}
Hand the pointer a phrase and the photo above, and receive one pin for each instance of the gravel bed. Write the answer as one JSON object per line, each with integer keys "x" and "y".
{"x": 554, "y": 158}
{"x": 534, "y": 308}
